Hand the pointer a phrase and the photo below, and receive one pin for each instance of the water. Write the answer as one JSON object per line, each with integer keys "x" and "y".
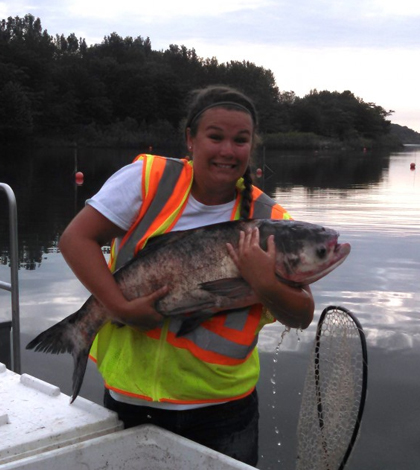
{"x": 372, "y": 200}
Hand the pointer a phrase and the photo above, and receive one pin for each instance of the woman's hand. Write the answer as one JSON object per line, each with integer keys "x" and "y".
{"x": 294, "y": 307}
{"x": 251, "y": 260}
{"x": 141, "y": 312}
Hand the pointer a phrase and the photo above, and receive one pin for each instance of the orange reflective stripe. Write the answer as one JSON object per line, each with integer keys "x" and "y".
{"x": 167, "y": 217}
{"x": 244, "y": 336}
{"x": 236, "y": 213}
{"x": 263, "y": 207}
{"x": 180, "y": 402}
{"x": 128, "y": 394}
{"x": 223, "y": 339}
{"x": 205, "y": 355}
{"x": 148, "y": 193}
{"x": 199, "y": 402}
{"x": 168, "y": 182}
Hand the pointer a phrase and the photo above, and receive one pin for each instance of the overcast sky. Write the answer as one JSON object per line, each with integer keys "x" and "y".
{"x": 370, "y": 47}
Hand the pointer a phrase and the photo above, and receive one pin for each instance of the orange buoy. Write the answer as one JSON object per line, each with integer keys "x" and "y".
{"x": 79, "y": 178}
{"x": 259, "y": 172}
{"x": 412, "y": 166}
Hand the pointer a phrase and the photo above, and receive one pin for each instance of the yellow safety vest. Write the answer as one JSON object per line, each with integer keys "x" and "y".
{"x": 216, "y": 362}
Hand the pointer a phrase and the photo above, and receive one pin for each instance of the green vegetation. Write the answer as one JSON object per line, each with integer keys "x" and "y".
{"x": 405, "y": 135}
{"x": 122, "y": 92}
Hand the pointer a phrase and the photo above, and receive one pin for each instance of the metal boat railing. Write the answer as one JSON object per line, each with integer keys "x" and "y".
{"x": 13, "y": 286}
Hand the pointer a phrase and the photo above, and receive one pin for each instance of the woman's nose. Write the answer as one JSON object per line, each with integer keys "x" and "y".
{"x": 226, "y": 148}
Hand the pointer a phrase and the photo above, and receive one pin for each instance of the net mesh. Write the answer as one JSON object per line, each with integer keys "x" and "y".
{"x": 334, "y": 393}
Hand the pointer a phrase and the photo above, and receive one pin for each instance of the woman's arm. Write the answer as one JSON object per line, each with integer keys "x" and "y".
{"x": 80, "y": 245}
{"x": 294, "y": 307}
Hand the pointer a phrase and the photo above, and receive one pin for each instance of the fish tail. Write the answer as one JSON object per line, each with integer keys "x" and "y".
{"x": 57, "y": 339}
{"x": 80, "y": 363}
{"x": 65, "y": 337}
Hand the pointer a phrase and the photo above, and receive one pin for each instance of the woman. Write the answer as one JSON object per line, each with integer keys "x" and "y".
{"x": 201, "y": 386}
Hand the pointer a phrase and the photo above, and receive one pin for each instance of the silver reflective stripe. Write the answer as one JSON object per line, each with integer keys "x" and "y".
{"x": 262, "y": 207}
{"x": 166, "y": 185}
{"x": 237, "y": 320}
{"x": 212, "y": 342}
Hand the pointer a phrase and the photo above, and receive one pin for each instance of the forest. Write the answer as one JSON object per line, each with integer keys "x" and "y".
{"x": 57, "y": 89}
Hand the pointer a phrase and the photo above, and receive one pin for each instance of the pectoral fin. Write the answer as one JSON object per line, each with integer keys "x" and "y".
{"x": 232, "y": 288}
{"x": 190, "y": 324}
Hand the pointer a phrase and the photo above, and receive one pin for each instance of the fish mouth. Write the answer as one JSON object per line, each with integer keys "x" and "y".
{"x": 340, "y": 253}
{"x": 342, "y": 250}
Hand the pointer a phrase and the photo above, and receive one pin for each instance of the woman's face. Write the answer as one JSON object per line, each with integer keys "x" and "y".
{"x": 221, "y": 151}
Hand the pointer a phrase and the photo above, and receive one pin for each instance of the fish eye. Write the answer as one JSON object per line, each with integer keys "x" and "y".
{"x": 321, "y": 252}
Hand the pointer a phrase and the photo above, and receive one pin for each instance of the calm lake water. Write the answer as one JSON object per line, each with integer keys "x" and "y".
{"x": 373, "y": 200}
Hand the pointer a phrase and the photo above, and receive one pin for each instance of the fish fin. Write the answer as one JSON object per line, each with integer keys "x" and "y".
{"x": 190, "y": 324}
{"x": 230, "y": 287}
{"x": 60, "y": 339}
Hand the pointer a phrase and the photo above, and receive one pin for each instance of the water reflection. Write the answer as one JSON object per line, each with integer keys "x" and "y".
{"x": 47, "y": 194}
{"x": 323, "y": 170}
{"x": 373, "y": 200}
{"x": 48, "y": 197}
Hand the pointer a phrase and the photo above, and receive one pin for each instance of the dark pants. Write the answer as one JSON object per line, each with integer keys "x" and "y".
{"x": 230, "y": 428}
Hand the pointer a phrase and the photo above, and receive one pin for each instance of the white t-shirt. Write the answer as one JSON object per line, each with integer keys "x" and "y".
{"x": 119, "y": 200}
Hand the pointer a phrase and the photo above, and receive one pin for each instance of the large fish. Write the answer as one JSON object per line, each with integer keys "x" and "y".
{"x": 202, "y": 277}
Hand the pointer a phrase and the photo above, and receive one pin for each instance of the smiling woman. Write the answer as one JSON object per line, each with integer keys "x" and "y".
{"x": 221, "y": 147}
{"x": 196, "y": 385}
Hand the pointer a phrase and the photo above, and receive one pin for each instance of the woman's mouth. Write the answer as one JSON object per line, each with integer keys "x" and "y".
{"x": 224, "y": 166}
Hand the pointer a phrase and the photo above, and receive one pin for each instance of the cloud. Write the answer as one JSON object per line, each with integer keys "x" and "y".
{"x": 395, "y": 8}
{"x": 307, "y": 23}
{"x": 159, "y": 10}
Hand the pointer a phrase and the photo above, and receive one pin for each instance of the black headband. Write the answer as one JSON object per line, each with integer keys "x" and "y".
{"x": 222, "y": 103}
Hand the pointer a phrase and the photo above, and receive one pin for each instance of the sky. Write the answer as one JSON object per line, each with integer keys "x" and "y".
{"x": 370, "y": 47}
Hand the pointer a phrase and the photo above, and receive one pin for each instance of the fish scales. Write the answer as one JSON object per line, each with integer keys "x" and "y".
{"x": 202, "y": 278}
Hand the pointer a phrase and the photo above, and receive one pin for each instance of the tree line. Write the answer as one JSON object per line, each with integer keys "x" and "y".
{"x": 122, "y": 92}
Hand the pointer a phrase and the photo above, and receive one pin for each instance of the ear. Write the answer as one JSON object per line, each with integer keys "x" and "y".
{"x": 190, "y": 140}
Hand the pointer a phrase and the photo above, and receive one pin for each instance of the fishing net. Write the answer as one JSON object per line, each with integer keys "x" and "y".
{"x": 334, "y": 392}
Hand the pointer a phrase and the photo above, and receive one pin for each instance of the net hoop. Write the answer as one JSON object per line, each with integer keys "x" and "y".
{"x": 327, "y": 377}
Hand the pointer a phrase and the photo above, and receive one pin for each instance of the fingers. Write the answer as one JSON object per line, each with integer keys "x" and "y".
{"x": 271, "y": 246}
{"x": 249, "y": 245}
{"x": 141, "y": 312}
{"x": 233, "y": 254}
{"x": 158, "y": 294}
{"x": 249, "y": 240}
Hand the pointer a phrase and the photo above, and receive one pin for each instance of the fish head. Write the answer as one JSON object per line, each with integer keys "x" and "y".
{"x": 305, "y": 252}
